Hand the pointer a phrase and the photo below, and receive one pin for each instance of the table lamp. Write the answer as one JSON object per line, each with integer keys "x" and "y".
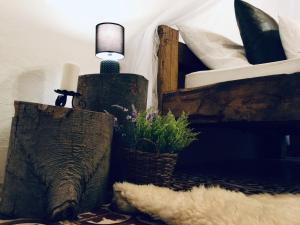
{"x": 109, "y": 46}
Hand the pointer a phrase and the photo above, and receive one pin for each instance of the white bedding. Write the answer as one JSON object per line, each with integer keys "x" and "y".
{"x": 202, "y": 78}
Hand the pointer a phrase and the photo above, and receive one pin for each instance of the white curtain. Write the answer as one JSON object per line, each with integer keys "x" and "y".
{"x": 141, "y": 50}
{"x": 214, "y": 15}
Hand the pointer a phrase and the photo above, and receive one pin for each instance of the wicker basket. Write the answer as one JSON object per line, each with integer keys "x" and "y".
{"x": 148, "y": 168}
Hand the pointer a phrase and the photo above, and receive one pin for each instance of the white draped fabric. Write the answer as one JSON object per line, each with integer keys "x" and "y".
{"x": 214, "y": 15}
{"x": 141, "y": 50}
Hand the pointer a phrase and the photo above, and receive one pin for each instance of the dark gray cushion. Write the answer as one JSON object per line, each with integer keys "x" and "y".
{"x": 259, "y": 33}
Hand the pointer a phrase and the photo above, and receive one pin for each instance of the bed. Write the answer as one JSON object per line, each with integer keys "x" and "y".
{"x": 261, "y": 93}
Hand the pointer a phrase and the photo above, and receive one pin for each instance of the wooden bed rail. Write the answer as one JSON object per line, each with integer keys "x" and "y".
{"x": 167, "y": 80}
{"x": 273, "y": 98}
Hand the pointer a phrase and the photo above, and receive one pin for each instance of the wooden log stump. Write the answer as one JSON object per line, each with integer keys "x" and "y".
{"x": 57, "y": 163}
{"x": 100, "y": 91}
{"x": 103, "y": 92}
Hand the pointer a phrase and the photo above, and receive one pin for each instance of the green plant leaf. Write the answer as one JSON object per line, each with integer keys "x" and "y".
{"x": 170, "y": 135}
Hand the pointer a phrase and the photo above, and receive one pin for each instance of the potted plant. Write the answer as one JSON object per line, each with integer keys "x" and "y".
{"x": 156, "y": 140}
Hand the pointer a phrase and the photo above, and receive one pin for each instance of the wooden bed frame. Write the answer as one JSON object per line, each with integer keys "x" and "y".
{"x": 263, "y": 99}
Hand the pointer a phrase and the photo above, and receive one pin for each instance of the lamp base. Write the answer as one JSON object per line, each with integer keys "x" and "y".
{"x": 109, "y": 66}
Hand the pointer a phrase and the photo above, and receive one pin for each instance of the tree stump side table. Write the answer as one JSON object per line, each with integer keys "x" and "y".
{"x": 100, "y": 91}
{"x": 58, "y": 161}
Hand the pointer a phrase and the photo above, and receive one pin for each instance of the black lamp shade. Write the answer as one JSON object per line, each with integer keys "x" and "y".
{"x": 109, "y": 41}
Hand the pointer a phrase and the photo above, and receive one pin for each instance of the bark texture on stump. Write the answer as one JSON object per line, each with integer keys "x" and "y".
{"x": 103, "y": 92}
{"x": 100, "y": 91}
{"x": 57, "y": 163}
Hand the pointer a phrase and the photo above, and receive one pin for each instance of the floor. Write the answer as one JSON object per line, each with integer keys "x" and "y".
{"x": 104, "y": 215}
{"x": 249, "y": 177}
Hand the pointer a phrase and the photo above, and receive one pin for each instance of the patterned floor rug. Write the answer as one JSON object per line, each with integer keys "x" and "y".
{"x": 104, "y": 215}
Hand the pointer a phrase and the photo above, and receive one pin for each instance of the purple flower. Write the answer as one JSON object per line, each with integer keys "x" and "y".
{"x": 133, "y": 109}
{"x": 151, "y": 116}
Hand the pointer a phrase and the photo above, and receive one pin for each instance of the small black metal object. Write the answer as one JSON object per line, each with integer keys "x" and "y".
{"x": 109, "y": 66}
{"x": 61, "y": 99}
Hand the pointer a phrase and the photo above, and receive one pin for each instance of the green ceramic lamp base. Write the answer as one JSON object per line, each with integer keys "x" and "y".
{"x": 109, "y": 66}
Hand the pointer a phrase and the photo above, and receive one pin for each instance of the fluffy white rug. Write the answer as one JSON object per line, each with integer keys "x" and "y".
{"x": 208, "y": 206}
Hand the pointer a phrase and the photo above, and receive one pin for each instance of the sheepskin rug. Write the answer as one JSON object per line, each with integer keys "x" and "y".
{"x": 208, "y": 206}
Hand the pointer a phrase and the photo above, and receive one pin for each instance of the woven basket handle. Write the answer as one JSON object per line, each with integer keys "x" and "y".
{"x": 149, "y": 141}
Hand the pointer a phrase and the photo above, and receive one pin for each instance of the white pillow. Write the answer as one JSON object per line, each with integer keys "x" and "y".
{"x": 214, "y": 50}
{"x": 289, "y": 31}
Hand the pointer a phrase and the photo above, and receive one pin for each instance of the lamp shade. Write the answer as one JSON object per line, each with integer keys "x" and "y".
{"x": 109, "y": 41}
